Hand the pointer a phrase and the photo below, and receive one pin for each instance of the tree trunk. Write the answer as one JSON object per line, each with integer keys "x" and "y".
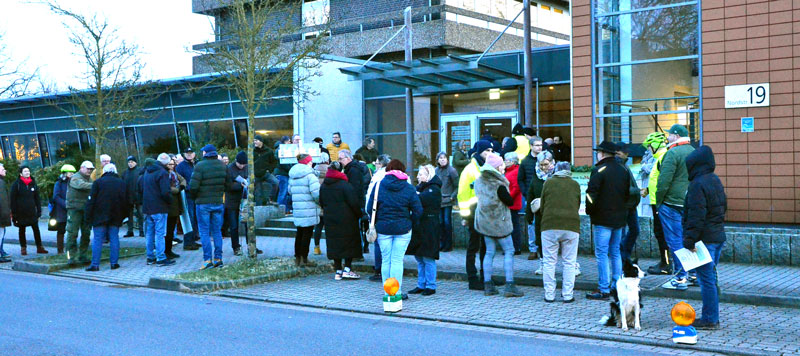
{"x": 251, "y": 202}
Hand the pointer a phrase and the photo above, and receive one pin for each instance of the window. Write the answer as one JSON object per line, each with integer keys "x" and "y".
{"x": 218, "y": 133}
{"x": 646, "y": 68}
{"x": 545, "y": 8}
{"x": 25, "y": 149}
{"x": 272, "y": 128}
{"x": 63, "y": 145}
{"x": 558, "y": 11}
{"x": 385, "y": 121}
{"x": 316, "y": 12}
{"x": 490, "y": 100}
{"x": 156, "y": 139}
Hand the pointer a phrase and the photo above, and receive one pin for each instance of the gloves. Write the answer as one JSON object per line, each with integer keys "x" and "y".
{"x": 241, "y": 180}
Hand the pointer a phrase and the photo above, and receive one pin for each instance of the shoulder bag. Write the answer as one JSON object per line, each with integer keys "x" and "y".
{"x": 372, "y": 235}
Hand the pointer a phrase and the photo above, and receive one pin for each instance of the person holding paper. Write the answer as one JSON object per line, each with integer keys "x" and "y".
{"x": 703, "y": 220}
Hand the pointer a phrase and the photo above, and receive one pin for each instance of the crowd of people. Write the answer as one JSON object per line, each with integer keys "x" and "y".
{"x": 348, "y": 194}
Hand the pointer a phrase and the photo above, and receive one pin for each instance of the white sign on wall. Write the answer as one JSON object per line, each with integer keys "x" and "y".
{"x": 745, "y": 96}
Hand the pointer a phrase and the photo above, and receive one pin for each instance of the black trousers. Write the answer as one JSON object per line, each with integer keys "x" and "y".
{"x": 301, "y": 241}
{"x": 318, "y": 230}
{"x": 337, "y": 263}
{"x": 658, "y": 230}
{"x": 172, "y": 221}
{"x": 23, "y": 242}
{"x": 475, "y": 245}
{"x": 232, "y": 216}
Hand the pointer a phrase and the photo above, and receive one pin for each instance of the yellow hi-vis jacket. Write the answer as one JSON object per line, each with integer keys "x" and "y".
{"x": 652, "y": 183}
{"x": 466, "y": 191}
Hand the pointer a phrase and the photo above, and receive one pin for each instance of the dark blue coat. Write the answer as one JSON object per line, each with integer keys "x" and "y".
{"x": 398, "y": 206}
{"x": 706, "y": 203}
{"x": 108, "y": 201}
{"x": 60, "y": 200}
{"x": 156, "y": 195}
{"x": 185, "y": 169}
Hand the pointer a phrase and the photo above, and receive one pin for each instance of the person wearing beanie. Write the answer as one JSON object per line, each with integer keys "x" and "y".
{"x": 59, "y": 209}
{"x": 209, "y": 180}
{"x": 186, "y": 169}
{"x": 673, "y": 183}
{"x": 234, "y": 193}
{"x": 130, "y": 177}
{"x": 156, "y": 199}
{"x": 467, "y": 203}
{"x": 105, "y": 210}
{"x": 493, "y": 222}
{"x": 264, "y": 161}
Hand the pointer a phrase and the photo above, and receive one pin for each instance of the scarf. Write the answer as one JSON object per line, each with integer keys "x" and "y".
{"x": 680, "y": 142}
{"x": 332, "y": 173}
{"x": 563, "y": 174}
{"x": 173, "y": 179}
{"x": 27, "y": 181}
{"x": 543, "y": 175}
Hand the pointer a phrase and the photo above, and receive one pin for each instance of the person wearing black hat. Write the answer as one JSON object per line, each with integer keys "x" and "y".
{"x": 631, "y": 234}
{"x": 131, "y": 177}
{"x": 467, "y": 204}
{"x": 185, "y": 169}
{"x": 237, "y": 175}
{"x": 605, "y": 204}
{"x": 265, "y": 161}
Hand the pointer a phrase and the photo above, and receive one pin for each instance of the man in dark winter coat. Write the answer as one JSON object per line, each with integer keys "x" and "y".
{"x": 359, "y": 176}
{"x": 605, "y": 204}
{"x": 105, "y": 210}
{"x": 185, "y": 169}
{"x": 265, "y": 162}
{"x": 5, "y": 214}
{"x": 704, "y": 220}
{"x": 525, "y": 175}
{"x": 131, "y": 178}
{"x": 368, "y": 150}
{"x": 207, "y": 190}
{"x": 560, "y": 150}
{"x": 156, "y": 199}
{"x": 237, "y": 175}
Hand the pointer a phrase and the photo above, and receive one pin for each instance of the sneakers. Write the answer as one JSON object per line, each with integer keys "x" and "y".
{"x": 693, "y": 281}
{"x": 512, "y": 291}
{"x": 5, "y": 259}
{"x": 676, "y": 284}
{"x": 217, "y": 263}
{"x": 237, "y": 251}
{"x": 350, "y": 275}
{"x": 172, "y": 255}
{"x": 660, "y": 269}
{"x": 207, "y": 265}
{"x": 489, "y": 288}
{"x": 115, "y": 266}
{"x": 151, "y": 261}
{"x": 570, "y": 300}
{"x": 317, "y": 250}
{"x": 338, "y": 276}
{"x": 597, "y": 295}
{"x": 577, "y": 269}
{"x": 93, "y": 269}
{"x": 165, "y": 262}
{"x": 705, "y": 325}
{"x": 129, "y": 234}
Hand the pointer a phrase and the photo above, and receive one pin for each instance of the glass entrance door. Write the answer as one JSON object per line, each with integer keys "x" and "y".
{"x": 458, "y": 129}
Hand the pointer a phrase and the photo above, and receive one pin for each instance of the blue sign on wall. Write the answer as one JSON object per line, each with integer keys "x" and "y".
{"x": 748, "y": 124}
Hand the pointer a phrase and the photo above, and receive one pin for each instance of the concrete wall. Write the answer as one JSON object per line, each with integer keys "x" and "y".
{"x": 337, "y": 106}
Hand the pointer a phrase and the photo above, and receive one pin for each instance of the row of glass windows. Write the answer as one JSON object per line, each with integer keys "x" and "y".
{"x": 37, "y": 150}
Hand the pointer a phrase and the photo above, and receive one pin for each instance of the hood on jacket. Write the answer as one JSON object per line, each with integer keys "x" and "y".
{"x": 153, "y": 166}
{"x": 393, "y": 181}
{"x": 489, "y": 172}
{"x": 300, "y": 170}
{"x": 433, "y": 181}
{"x": 400, "y": 175}
{"x": 700, "y": 162}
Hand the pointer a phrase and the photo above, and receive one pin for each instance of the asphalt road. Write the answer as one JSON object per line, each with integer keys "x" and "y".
{"x": 44, "y": 315}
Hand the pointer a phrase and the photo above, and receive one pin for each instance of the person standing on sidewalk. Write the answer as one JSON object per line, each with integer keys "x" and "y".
{"x": 605, "y": 204}
{"x": 545, "y": 167}
{"x": 176, "y": 185}
{"x": 26, "y": 208}
{"x": 493, "y": 221}
{"x": 398, "y": 211}
{"x": 359, "y": 176}
{"x": 5, "y": 214}
{"x": 304, "y": 187}
{"x": 282, "y": 172}
{"x": 631, "y": 233}
{"x": 265, "y": 162}
{"x": 342, "y": 208}
{"x": 156, "y": 199}
{"x": 673, "y": 183}
{"x": 525, "y": 176}
{"x": 368, "y": 150}
{"x": 321, "y": 170}
{"x": 207, "y": 188}
{"x": 336, "y": 145}
{"x": 561, "y": 226}
{"x": 467, "y": 203}
{"x": 449, "y": 178}
{"x": 59, "y": 201}
{"x": 105, "y": 210}
{"x": 461, "y": 156}
{"x": 511, "y": 161}
{"x": 704, "y": 220}
{"x": 237, "y": 175}
{"x": 380, "y": 172}
{"x": 185, "y": 169}
{"x": 425, "y": 236}
{"x": 656, "y": 145}
{"x": 131, "y": 178}
{"x": 80, "y": 186}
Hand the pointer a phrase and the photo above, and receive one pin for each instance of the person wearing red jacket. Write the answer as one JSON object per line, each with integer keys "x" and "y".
{"x": 512, "y": 168}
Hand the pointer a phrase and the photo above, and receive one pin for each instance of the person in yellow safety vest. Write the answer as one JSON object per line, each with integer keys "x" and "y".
{"x": 467, "y": 203}
{"x": 656, "y": 144}
{"x": 523, "y": 146}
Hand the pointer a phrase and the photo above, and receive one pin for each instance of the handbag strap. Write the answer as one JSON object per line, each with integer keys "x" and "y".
{"x": 374, "y": 204}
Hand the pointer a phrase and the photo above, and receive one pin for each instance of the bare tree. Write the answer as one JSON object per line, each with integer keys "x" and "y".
{"x": 116, "y": 95}
{"x": 262, "y": 51}
{"x": 14, "y": 80}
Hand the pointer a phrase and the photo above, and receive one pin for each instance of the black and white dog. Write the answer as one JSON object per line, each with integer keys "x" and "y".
{"x": 626, "y": 307}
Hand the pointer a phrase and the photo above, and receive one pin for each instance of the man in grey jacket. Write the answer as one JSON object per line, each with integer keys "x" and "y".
{"x": 80, "y": 186}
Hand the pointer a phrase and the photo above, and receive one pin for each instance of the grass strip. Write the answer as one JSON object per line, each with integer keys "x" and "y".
{"x": 105, "y": 255}
{"x": 244, "y": 268}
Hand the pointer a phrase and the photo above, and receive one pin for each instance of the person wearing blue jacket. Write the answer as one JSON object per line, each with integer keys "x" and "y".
{"x": 156, "y": 198}
{"x": 704, "y": 220}
{"x": 59, "y": 210}
{"x": 106, "y": 208}
{"x": 398, "y": 210}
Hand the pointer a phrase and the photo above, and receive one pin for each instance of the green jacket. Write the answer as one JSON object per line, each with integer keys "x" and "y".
{"x": 673, "y": 177}
{"x": 561, "y": 200}
{"x": 78, "y": 192}
{"x": 209, "y": 179}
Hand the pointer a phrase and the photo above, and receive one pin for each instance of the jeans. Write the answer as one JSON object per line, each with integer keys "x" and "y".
{"x": 155, "y": 230}
{"x": 532, "y": 236}
{"x": 3, "y": 252}
{"x": 516, "y": 234}
{"x": 100, "y": 234}
{"x": 393, "y": 249}
{"x": 376, "y": 250}
{"x": 567, "y": 241}
{"x": 475, "y": 245}
{"x": 75, "y": 224}
{"x": 606, "y": 250}
{"x": 192, "y": 237}
{"x": 233, "y": 225}
{"x": 264, "y": 187}
{"x": 209, "y": 224}
{"x": 283, "y": 192}
{"x": 426, "y": 272}
{"x": 508, "y": 257}
{"x": 673, "y": 234}
{"x": 301, "y": 240}
{"x": 136, "y": 212}
{"x": 446, "y": 221}
{"x": 709, "y": 288}
{"x": 631, "y": 234}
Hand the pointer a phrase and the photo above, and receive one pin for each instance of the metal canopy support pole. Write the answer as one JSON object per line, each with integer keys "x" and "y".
{"x": 528, "y": 64}
{"x": 409, "y": 98}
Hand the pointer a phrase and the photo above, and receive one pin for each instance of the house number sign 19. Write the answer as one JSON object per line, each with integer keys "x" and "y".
{"x": 745, "y": 96}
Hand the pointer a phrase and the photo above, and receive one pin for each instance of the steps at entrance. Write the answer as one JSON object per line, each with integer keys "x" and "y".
{"x": 283, "y": 227}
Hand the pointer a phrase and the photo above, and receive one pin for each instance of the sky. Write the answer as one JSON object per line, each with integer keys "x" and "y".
{"x": 164, "y": 30}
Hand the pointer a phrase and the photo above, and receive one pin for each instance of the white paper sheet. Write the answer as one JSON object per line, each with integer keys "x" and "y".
{"x": 691, "y": 260}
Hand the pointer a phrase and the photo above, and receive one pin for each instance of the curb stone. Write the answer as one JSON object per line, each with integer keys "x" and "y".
{"x": 43, "y": 268}
{"x": 177, "y": 285}
{"x": 543, "y": 330}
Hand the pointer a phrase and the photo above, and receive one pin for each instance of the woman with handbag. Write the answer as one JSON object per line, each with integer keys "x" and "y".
{"x": 426, "y": 237}
{"x": 26, "y": 208}
{"x": 394, "y": 208}
{"x": 176, "y": 184}
{"x": 341, "y": 208}
{"x": 58, "y": 212}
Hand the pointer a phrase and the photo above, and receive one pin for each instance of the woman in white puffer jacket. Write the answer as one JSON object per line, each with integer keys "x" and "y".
{"x": 304, "y": 188}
